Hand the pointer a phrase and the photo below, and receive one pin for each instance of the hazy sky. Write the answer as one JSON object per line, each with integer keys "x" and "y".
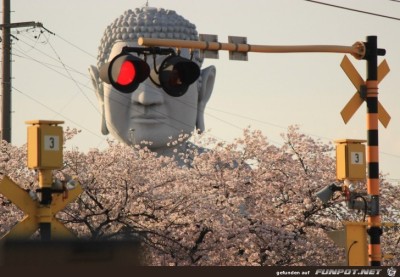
{"x": 269, "y": 92}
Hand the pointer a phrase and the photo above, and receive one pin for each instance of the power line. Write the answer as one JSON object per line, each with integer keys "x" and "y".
{"x": 70, "y": 75}
{"x": 285, "y": 127}
{"x": 33, "y": 47}
{"x": 354, "y": 10}
{"x": 56, "y": 112}
{"x": 49, "y": 66}
{"x": 77, "y": 47}
{"x": 68, "y": 42}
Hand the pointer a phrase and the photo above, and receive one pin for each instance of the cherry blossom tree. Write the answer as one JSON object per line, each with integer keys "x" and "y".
{"x": 242, "y": 203}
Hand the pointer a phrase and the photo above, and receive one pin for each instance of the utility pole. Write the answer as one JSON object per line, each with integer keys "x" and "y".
{"x": 6, "y": 68}
{"x": 6, "y": 81}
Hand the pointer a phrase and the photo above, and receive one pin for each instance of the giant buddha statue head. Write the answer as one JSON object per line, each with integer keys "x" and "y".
{"x": 149, "y": 114}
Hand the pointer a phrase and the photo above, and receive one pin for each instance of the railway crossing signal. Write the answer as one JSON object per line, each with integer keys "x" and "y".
{"x": 174, "y": 75}
{"x": 125, "y": 72}
{"x": 36, "y": 213}
{"x": 360, "y": 96}
{"x": 45, "y": 144}
{"x": 366, "y": 91}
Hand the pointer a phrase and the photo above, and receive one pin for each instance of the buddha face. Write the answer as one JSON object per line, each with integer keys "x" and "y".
{"x": 149, "y": 114}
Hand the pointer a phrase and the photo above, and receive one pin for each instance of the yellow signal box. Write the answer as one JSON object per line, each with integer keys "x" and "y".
{"x": 350, "y": 159}
{"x": 45, "y": 144}
{"x": 356, "y": 243}
{"x": 354, "y": 240}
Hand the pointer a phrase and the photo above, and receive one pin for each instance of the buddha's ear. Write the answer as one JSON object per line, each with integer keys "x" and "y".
{"x": 207, "y": 85}
{"x": 98, "y": 89}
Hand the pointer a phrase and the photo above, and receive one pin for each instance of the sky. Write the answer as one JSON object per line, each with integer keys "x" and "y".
{"x": 268, "y": 92}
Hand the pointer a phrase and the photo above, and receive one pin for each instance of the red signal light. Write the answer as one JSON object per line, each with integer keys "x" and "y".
{"x": 126, "y": 74}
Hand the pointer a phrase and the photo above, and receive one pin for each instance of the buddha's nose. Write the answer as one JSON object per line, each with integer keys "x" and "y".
{"x": 147, "y": 95}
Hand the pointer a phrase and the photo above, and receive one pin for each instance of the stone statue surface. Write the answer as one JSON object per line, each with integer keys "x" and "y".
{"x": 149, "y": 114}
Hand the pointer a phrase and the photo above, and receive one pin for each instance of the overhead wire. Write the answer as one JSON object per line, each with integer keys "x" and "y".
{"x": 224, "y": 121}
{"x": 353, "y": 10}
{"x": 55, "y": 111}
{"x": 24, "y": 54}
{"x": 75, "y": 46}
{"x": 72, "y": 78}
{"x": 285, "y": 128}
{"x": 47, "y": 55}
{"x": 47, "y": 65}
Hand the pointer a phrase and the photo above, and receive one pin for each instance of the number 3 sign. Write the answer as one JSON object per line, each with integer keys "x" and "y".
{"x": 357, "y": 158}
{"x": 51, "y": 143}
{"x": 45, "y": 140}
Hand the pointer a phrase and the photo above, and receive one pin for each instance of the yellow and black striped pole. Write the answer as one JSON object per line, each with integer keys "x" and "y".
{"x": 374, "y": 220}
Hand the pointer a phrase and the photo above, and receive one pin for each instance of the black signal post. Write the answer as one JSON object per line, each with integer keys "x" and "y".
{"x": 374, "y": 221}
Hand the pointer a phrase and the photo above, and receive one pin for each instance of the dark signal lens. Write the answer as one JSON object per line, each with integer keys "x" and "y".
{"x": 175, "y": 78}
{"x": 177, "y": 74}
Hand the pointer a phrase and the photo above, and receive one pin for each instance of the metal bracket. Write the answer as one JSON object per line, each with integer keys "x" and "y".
{"x": 354, "y": 202}
{"x": 369, "y": 203}
{"x": 374, "y": 205}
{"x": 210, "y": 54}
{"x": 363, "y": 92}
{"x": 235, "y": 55}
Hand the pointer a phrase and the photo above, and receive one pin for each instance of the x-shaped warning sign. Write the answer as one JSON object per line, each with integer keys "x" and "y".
{"x": 359, "y": 97}
{"x": 35, "y": 212}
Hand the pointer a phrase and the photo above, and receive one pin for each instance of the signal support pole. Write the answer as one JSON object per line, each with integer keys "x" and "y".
{"x": 375, "y": 231}
{"x": 6, "y": 67}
